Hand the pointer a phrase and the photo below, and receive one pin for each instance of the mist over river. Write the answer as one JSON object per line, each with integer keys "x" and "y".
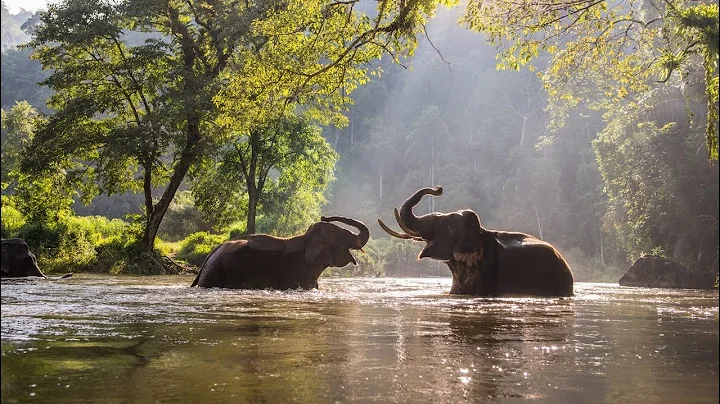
{"x": 120, "y": 339}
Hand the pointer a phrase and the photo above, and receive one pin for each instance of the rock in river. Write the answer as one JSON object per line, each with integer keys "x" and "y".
{"x": 650, "y": 271}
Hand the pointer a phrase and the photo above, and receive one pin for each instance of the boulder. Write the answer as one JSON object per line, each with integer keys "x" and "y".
{"x": 650, "y": 271}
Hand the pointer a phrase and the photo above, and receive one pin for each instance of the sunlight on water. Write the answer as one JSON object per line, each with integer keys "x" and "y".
{"x": 154, "y": 339}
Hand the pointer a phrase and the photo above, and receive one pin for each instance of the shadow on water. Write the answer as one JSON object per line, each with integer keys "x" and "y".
{"x": 150, "y": 340}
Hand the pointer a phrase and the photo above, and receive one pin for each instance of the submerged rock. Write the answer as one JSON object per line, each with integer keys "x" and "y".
{"x": 650, "y": 271}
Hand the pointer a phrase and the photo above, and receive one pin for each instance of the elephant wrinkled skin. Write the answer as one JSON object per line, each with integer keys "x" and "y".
{"x": 261, "y": 261}
{"x": 484, "y": 262}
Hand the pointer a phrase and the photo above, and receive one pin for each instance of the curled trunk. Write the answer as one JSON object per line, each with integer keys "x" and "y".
{"x": 407, "y": 219}
{"x": 362, "y": 237}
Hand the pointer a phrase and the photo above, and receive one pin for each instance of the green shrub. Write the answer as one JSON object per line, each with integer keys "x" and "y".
{"x": 72, "y": 244}
{"x": 11, "y": 219}
{"x": 98, "y": 228}
{"x": 197, "y": 246}
{"x": 169, "y": 248}
{"x": 114, "y": 254}
{"x": 182, "y": 218}
{"x": 237, "y": 229}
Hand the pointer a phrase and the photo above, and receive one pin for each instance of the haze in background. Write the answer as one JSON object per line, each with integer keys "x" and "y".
{"x": 28, "y": 5}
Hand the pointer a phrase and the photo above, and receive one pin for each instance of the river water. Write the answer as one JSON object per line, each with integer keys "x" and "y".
{"x": 112, "y": 339}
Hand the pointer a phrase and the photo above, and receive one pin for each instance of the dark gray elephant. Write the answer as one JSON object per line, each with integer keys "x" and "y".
{"x": 484, "y": 262}
{"x": 17, "y": 261}
{"x": 262, "y": 261}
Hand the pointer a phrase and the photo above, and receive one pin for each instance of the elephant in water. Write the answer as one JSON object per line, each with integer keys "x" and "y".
{"x": 17, "y": 261}
{"x": 484, "y": 262}
{"x": 262, "y": 261}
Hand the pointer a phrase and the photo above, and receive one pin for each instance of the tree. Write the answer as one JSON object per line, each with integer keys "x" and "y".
{"x": 42, "y": 199}
{"x": 623, "y": 49}
{"x": 661, "y": 199}
{"x": 270, "y": 168}
{"x": 145, "y": 114}
{"x": 18, "y": 127}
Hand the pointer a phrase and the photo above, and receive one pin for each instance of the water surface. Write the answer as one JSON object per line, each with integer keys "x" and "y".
{"x": 104, "y": 339}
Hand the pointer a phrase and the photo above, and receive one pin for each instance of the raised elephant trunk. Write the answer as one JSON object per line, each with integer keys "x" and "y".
{"x": 362, "y": 237}
{"x": 407, "y": 220}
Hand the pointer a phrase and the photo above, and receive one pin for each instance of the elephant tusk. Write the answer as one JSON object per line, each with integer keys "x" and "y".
{"x": 396, "y": 234}
{"x": 403, "y": 226}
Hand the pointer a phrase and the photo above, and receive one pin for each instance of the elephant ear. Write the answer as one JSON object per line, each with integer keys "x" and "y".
{"x": 320, "y": 237}
{"x": 470, "y": 247}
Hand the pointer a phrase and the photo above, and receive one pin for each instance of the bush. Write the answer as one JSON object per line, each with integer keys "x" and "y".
{"x": 122, "y": 256}
{"x": 69, "y": 245}
{"x": 72, "y": 244}
{"x": 237, "y": 229}
{"x": 182, "y": 218}
{"x": 169, "y": 248}
{"x": 11, "y": 219}
{"x": 116, "y": 254}
{"x": 197, "y": 246}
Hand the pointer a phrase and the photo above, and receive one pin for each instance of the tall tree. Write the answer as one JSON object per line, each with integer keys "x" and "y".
{"x": 144, "y": 114}
{"x": 268, "y": 168}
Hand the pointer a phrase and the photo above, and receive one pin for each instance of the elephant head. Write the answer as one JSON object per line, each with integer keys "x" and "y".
{"x": 457, "y": 235}
{"x": 329, "y": 245}
{"x": 17, "y": 260}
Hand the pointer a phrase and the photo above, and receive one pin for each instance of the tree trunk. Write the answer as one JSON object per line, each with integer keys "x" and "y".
{"x": 539, "y": 222}
{"x": 253, "y": 185}
{"x": 524, "y": 125}
{"x": 147, "y": 188}
{"x": 252, "y": 212}
{"x": 155, "y": 216}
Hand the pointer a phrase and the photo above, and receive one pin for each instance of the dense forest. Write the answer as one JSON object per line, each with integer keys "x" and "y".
{"x": 165, "y": 132}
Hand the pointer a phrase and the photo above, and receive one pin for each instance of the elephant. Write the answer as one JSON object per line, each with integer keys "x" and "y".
{"x": 484, "y": 262}
{"x": 17, "y": 260}
{"x": 262, "y": 261}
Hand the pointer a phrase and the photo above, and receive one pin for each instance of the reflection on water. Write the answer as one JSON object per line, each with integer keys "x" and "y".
{"x": 154, "y": 340}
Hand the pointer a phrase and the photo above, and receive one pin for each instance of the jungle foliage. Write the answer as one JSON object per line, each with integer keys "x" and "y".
{"x": 182, "y": 119}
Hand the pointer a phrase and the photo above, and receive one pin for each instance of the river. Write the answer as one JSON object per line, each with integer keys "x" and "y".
{"x": 118, "y": 339}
